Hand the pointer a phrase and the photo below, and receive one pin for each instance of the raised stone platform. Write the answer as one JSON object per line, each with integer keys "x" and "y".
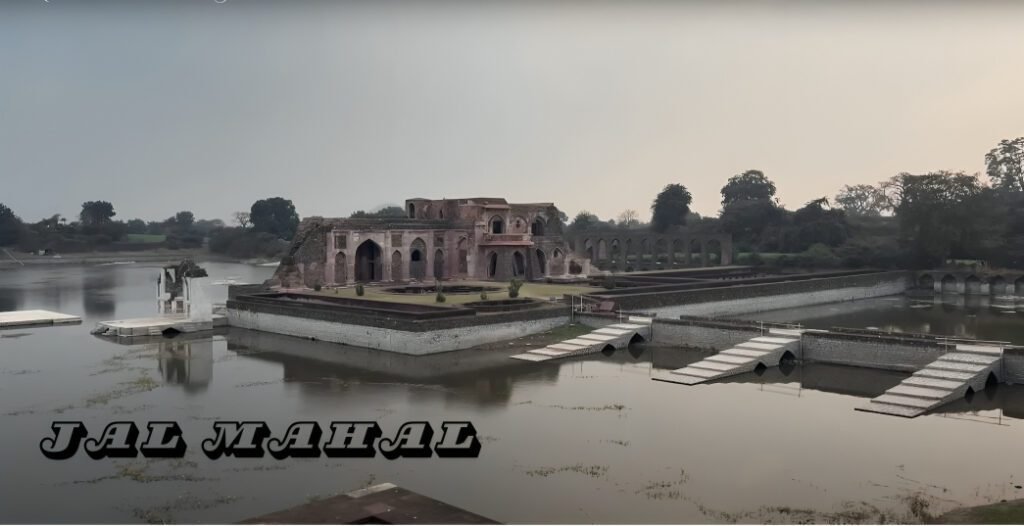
{"x": 28, "y": 318}
{"x": 380, "y": 504}
{"x": 158, "y": 325}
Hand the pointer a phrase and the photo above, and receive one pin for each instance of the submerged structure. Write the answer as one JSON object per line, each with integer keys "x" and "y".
{"x": 473, "y": 238}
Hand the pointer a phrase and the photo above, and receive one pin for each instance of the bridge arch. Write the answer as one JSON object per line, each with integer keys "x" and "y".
{"x": 997, "y": 285}
{"x": 926, "y": 281}
{"x": 696, "y": 249}
{"x": 1019, "y": 286}
{"x": 949, "y": 284}
{"x": 972, "y": 285}
{"x": 602, "y": 250}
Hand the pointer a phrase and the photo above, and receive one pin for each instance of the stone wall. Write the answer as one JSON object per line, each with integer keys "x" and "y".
{"x": 743, "y": 299}
{"x": 386, "y": 339}
{"x": 1013, "y": 365}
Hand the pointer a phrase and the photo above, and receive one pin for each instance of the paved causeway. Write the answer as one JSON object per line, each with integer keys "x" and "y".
{"x": 949, "y": 378}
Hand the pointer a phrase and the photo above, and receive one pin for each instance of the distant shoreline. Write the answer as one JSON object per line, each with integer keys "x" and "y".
{"x": 99, "y": 258}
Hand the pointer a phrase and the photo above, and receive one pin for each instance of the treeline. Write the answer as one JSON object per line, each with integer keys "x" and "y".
{"x": 263, "y": 231}
{"x": 906, "y": 221}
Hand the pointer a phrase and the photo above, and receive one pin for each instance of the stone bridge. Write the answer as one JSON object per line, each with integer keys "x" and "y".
{"x": 629, "y": 250}
{"x": 994, "y": 283}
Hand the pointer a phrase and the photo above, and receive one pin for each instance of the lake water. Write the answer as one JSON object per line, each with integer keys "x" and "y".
{"x": 586, "y": 440}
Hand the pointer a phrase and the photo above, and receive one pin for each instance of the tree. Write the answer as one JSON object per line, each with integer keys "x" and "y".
{"x": 670, "y": 207}
{"x": 584, "y": 220}
{"x": 242, "y": 219}
{"x": 135, "y": 226}
{"x": 861, "y": 200}
{"x": 184, "y": 219}
{"x": 96, "y": 213}
{"x": 1004, "y": 164}
{"x": 940, "y": 213}
{"x": 10, "y": 226}
{"x": 276, "y": 216}
{"x": 750, "y": 185}
{"x": 629, "y": 218}
{"x": 747, "y": 219}
{"x": 817, "y": 224}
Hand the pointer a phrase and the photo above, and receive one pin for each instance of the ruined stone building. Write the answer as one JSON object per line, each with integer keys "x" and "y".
{"x": 477, "y": 238}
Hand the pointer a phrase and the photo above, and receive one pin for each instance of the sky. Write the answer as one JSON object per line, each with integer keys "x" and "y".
{"x": 209, "y": 105}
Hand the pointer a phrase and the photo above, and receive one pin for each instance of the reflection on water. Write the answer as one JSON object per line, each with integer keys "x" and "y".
{"x": 584, "y": 440}
{"x": 964, "y": 316}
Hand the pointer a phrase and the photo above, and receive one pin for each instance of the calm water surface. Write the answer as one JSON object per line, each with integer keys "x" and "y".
{"x": 591, "y": 440}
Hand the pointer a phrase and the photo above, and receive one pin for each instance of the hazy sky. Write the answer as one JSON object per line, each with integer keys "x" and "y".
{"x": 193, "y": 104}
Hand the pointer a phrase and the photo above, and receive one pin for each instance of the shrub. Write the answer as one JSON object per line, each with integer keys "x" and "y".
{"x": 513, "y": 288}
{"x": 317, "y": 287}
{"x": 483, "y": 295}
{"x": 819, "y": 255}
{"x": 440, "y": 292}
{"x": 360, "y": 290}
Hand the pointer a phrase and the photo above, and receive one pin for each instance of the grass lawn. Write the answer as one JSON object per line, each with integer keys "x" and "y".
{"x": 145, "y": 238}
{"x": 1011, "y": 512}
{"x": 528, "y": 290}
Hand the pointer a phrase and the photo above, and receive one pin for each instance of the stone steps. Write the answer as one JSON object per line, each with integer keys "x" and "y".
{"x": 617, "y": 335}
{"x": 942, "y": 381}
{"x": 742, "y": 358}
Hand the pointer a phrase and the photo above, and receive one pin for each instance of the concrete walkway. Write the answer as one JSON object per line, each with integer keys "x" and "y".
{"x": 616, "y": 336}
{"x": 744, "y": 357}
{"x": 947, "y": 379}
{"x": 27, "y": 318}
{"x": 157, "y": 325}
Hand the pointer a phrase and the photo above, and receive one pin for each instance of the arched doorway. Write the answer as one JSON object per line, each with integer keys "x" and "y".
{"x": 340, "y": 269}
{"x": 439, "y": 264}
{"x": 602, "y": 250}
{"x": 575, "y": 267}
{"x": 368, "y": 262}
{"x": 518, "y": 264}
{"x": 417, "y": 260}
{"x": 542, "y": 264}
{"x": 492, "y": 264}
{"x": 396, "y": 266}
{"x": 497, "y": 225}
{"x": 412, "y": 211}
{"x": 537, "y": 227}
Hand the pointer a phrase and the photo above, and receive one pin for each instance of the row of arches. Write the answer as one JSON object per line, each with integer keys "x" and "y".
{"x": 645, "y": 252}
{"x": 369, "y": 263}
{"x": 972, "y": 284}
{"x": 528, "y": 264}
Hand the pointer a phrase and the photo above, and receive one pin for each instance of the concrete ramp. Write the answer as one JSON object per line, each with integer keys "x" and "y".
{"x": 617, "y": 336}
{"x": 947, "y": 379}
{"x": 743, "y": 358}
